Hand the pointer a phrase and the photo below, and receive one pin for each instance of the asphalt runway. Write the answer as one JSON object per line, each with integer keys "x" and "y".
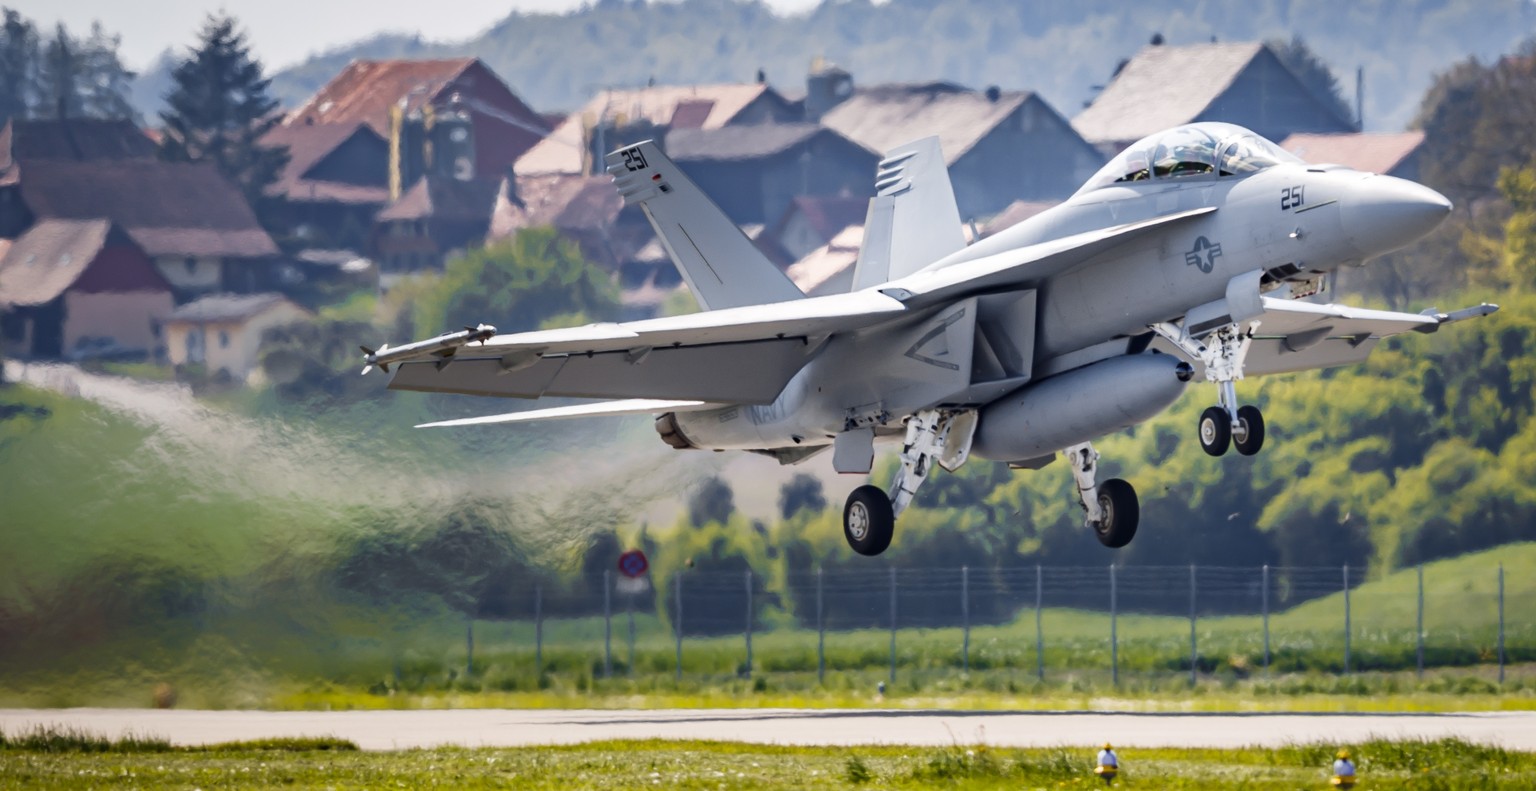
{"x": 391, "y": 730}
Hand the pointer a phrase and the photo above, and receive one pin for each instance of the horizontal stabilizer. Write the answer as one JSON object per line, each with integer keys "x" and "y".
{"x": 631, "y": 406}
{"x": 722, "y": 266}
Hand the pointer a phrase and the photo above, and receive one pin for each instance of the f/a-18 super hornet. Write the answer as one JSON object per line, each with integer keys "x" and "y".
{"x": 1188, "y": 255}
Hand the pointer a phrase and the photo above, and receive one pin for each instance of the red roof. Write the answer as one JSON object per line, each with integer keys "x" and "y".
{"x": 1364, "y": 151}
{"x": 365, "y": 91}
{"x": 168, "y": 208}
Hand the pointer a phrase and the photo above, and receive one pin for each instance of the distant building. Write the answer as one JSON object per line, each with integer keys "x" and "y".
{"x": 1000, "y": 145}
{"x": 615, "y": 118}
{"x": 222, "y": 333}
{"x": 336, "y": 180}
{"x": 811, "y": 221}
{"x": 452, "y": 118}
{"x": 754, "y": 171}
{"x": 1391, "y": 154}
{"x": 829, "y": 269}
{"x": 79, "y": 289}
{"x": 1017, "y": 212}
{"x": 1164, "y": 86}
{"x": 437, "y": 217}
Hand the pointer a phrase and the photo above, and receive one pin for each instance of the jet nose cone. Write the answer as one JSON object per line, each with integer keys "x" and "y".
{"x": 1382, "y": 213}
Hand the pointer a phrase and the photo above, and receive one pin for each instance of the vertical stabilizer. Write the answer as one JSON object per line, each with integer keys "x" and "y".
{"x": 720, "y": 264}
{"x": 913, "y": 220}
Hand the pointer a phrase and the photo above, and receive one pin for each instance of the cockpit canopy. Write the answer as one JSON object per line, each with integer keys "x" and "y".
{"x": 1192, "y": 150}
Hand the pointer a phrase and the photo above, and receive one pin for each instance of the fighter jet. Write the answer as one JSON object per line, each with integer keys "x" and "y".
{"x": 1191, "y": 255}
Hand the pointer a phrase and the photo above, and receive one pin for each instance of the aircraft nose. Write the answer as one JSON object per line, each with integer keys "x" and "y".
{"x": 1383, "y": 213}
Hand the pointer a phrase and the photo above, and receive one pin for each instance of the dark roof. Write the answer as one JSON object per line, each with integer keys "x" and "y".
{"x": 563, "y": 201}
{"x": 827, "y": 214}
{"x": 442, "y": 198}
{"x": 168, "y": 208}
{"x": 883, "y": 117}
{"x": 750, "y": 141}
{"x": 1163, "y": 86}
{"x": 308, "y": 145}
{"x": 1369, "y": 152}
{"x": 49, "y": 258}
{"x": 225, "y": 307}
{"x": 78, "y": 140}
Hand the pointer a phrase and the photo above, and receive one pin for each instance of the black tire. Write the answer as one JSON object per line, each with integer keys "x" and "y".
{"x": 1122, "y": 513}
{"x": 1215, "y": 431}
{"x": 1252, "y": 421}
{"x": 868, "y": 520}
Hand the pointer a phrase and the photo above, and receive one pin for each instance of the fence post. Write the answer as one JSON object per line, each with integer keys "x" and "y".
{"x": 1039, "y": 631}
{"x": 893, "y": 628}
{"x": 1264, "y": 598}
{"x": 1347, "y": 629}
{"x": 965, "y": 615}
{"x": 1501, "y": 623}
{"x": 469, "y": 648}
{"x": 629, "y": 614}
{"x": 821, "y": 634}
{"x": 607, "y": 624}
{"x": 1114, "y": 638}
{"x": 677, "y": 622}
{"x": 1419, "y": 624}
{"x": 538, "y": 628}
{"x": 1194, "y": 653}
{"x": 749, "y": 622}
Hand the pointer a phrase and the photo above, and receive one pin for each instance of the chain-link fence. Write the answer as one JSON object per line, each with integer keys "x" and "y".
{"x": 1015, "y": 624}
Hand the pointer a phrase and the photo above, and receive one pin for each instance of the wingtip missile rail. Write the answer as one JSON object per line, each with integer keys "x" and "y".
{"x": 442, "y": 347}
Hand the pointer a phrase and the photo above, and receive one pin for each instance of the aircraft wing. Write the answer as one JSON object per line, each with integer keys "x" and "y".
{"x": 742, "y": 355}
{"x": 1299, "y": 336}
{"x": 632, "y": 406}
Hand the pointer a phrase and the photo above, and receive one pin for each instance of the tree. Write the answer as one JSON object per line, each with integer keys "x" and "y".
{"x": 107, "y": 85}
{"x": 1313, "y": 73}
{"x": 218, "y": 109}
{"x": 60, "y": 77}
{"x": 802, "y": 493}
{"x": 18, "y": 65}
{"x": 711, "y": 502}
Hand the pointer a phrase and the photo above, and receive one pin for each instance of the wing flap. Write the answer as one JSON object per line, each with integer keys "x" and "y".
{"x": 630, "y": 406}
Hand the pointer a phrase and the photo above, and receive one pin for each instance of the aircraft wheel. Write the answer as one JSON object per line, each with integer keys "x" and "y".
{"x": 868, "y": 520}
{"x": 1251, "y": 438}
{"x": 1122, "y": 512}
{"x": 1215, "y": 431}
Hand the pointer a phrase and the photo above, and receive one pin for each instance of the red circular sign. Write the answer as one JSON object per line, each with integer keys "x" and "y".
{"x": 633, "y": 563}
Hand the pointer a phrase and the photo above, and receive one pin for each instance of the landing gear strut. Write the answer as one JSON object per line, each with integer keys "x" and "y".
{"x": 1112, "y": 508}
{"x": 869, "y": 516}
{"x": 1227, "y": 424}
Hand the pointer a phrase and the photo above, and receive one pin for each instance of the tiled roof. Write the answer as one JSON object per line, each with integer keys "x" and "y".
{"x": 442, "y": 198}
{"x": 885, "y": 116}
{"x": 563, "y": 201}
{"x": 225, "y": 307}
{"x": 563, "y": 150}
{"x": 365, "y": 91}
{"x": 79, "y": 140}
{"x": 748, "y": 141}
{"x": 169, "y": 208}
{"x": 827, "y": 214}
{"x": 828, "y": 261}
{"x": 1369, "y": 152}
{"x": 48, "y": 259}
{"x": 1163, "y": 86}
{"x": 307, "y": 145}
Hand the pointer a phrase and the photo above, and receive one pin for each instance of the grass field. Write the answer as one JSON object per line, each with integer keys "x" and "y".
{"x": 65, "y": 760}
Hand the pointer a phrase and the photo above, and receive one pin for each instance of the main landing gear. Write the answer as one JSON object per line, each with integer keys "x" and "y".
{"x": 942, "y": 436}
{"x": 1112, "y": 508}
{"x": 1226, "y": 424}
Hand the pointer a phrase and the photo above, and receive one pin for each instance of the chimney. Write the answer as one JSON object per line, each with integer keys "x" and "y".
{"x": 826, "y": 86}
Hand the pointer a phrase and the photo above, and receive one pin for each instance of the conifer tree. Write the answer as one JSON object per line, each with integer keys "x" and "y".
{"x": 60, "y": 78}
{"x": 218, "y": 108}
{"x": 18, "y": 66}
{"x": 107, "y": 87}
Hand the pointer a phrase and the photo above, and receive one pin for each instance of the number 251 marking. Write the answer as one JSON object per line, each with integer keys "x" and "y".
{"x": 634, "y": 160}
{"x": 1292, "y": 198}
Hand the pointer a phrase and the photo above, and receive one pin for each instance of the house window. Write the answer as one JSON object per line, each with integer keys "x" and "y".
{"x": 223, "y": 339}
{"x": 191, "y": 264}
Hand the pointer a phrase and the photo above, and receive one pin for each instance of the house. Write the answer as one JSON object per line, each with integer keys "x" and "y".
{"x": 1015, "y": 213}
{"x": 1000, "y": 146}
{"x": 26, "y": 142}
{"x": 615, "y": 118}
{"x": 197, "y": 227}
{"x": 754, "y": 171}
{"x": 336, "y": 180}
{"x": 1164, "y": 86}
{"x": 222, "y": 333}
{"x": 1391, "y": 154}
{"x": 829, "y": 269}
{"x": 80, "y": 288}
{"x": 435, "y": 218}
{"x": 811, "y": 221}
{"x": 451, "y": 117}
